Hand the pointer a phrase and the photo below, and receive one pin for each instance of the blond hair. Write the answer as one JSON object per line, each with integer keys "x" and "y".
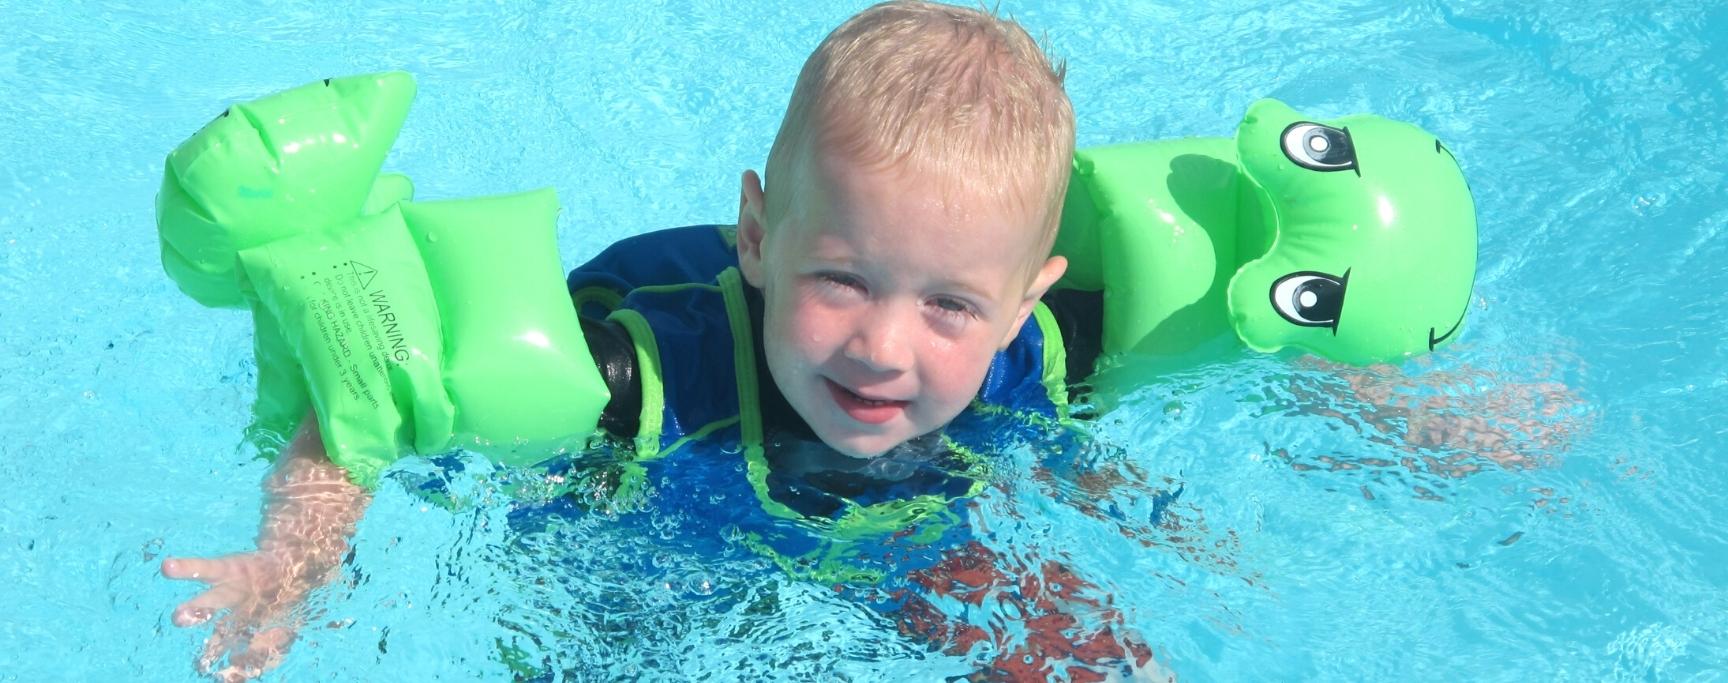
{"x": 955, "y": 92}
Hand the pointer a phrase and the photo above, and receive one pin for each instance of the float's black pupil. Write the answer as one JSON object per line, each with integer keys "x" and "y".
{"x": 1327, "y": 146}
{"x": 1318, "y": 299}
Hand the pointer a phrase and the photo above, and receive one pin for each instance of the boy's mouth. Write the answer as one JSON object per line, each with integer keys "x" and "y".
{"x": 864, "y": 409}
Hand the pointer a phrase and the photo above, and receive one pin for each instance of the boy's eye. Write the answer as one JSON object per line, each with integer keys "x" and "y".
{"x": 841, "y": 280}
{"x": 838, "y": 282}
{"x": 951, "y": 306}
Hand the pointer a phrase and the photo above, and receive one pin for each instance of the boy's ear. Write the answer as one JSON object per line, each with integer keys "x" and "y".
{"x": 751, "y": 229}
{"x": 1046, "y": 278}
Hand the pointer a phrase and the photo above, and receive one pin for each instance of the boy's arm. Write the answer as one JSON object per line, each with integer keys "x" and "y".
{"x": 310, "y": 511}
{"x": 1469, "y": 412}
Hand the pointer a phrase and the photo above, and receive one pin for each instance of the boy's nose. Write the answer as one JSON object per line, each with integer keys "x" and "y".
{"x": 880, "y": 344}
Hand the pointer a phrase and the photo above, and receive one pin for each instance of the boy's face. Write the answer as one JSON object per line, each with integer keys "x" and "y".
{"x": 886, "y": 297}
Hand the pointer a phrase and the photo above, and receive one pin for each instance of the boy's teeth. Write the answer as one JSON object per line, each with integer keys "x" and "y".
{"x": 867, "y": 401}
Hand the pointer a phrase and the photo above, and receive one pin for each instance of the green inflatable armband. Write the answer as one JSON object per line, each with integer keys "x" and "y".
{"x": 1353, "y": 239}
{"x": 430, "y": 326}
{"x": 388, "y": 189}
{"x": 410, "y": 326}
{"x": 283, "y": 397}
{"x": 288, "y": 163}
{"x": 516, "y": 366}
{"x": 354, "y": 306}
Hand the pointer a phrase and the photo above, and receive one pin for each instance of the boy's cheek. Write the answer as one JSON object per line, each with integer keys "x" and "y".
{"x": 809, "y": 325}
{"x": 959, "y": 379}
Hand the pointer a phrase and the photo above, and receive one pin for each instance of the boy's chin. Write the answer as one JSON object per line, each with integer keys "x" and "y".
{"x": 859, "y": 446}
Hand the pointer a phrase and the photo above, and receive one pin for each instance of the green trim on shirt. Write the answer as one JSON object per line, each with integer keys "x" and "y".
{"x": 648, "y": 369}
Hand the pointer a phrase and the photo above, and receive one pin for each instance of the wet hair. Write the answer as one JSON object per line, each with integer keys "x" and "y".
{"x": 956, "y": 94}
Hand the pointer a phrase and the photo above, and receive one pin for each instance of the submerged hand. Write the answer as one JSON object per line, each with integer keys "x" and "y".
{"x": 310, "y": 511}
{"x": 260, "y": 592}
{"x": 1475, "y": 414}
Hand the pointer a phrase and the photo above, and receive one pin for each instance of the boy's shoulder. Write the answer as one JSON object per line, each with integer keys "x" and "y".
{"x": 673, "y": 256}
{"x": 692, "y": 238}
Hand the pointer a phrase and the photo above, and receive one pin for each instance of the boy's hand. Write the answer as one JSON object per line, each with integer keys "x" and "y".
{"x": 1474, "y": 413}
{"x": 260, "y": 592}
{"x": 310, "y": 511}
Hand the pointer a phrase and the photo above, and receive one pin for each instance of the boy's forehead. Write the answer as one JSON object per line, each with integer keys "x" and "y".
{"x": 924, "y": 187}
{"x": 926, "y": 219}
{"x": 956, "y": 235}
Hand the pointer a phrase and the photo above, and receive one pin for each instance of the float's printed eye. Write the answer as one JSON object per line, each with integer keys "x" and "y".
{"x": 1310, "y": 299}
{"x": 1320, "y": 148}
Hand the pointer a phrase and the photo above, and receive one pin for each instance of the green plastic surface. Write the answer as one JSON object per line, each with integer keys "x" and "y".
{"x": 1191, "y": 239}
{"x": 278, "y": 166}
{"x": 411, "y": 327}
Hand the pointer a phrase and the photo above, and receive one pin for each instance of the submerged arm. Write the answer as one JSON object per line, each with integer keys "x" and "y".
{"x": 310, "y": 511}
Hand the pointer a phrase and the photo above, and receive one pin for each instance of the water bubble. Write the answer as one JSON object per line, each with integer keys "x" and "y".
{"x": 152, "y": 549}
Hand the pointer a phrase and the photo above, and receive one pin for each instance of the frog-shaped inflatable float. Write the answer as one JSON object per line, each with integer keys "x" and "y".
{"x": 425, "y": 326}
{"x": 1353, "y": 239}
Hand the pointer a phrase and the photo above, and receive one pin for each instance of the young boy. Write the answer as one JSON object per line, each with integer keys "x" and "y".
{"x": 890, "y": 267}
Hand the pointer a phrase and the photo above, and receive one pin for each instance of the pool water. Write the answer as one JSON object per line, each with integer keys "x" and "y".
{"x": 1540, "y": 501}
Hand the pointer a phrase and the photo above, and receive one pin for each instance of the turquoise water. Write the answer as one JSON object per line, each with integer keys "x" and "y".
{"x": 1317, "y": 535}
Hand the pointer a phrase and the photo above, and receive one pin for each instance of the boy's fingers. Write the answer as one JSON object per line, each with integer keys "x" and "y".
{"x": 193, "y": 568}
{"x": 228, "y": 636}
{"x": 263, "y": 653}
{"x": 237, "y": 674}
{"x": 187, "y": 615}
{"x": 204, "y": 605}
{"x": 214, "y": 646}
